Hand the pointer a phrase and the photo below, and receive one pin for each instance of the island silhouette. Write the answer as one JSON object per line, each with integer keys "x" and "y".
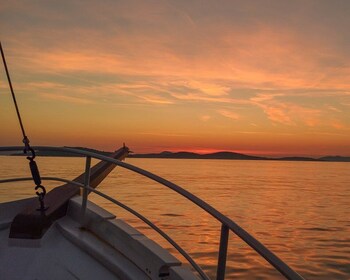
{"x": 190, "y": 155}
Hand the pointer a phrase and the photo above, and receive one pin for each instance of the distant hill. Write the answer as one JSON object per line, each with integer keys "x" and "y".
{"x": 190, "y": 155}
{"x": 233, "y": 156}
{"x": 335, "y": 158}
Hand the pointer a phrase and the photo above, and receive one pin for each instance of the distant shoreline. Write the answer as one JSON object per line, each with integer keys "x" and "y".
{"x": 190, "y": 155}
{"x": 235, "y": 156}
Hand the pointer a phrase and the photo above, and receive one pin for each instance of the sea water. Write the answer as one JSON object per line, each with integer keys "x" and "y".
{"x": 299, "y": 210}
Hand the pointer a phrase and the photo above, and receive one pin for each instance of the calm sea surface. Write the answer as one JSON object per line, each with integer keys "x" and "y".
{"x": 299, "y": 210}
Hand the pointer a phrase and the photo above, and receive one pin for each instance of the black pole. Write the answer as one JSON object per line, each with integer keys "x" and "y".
{"x": 13, "y": 94}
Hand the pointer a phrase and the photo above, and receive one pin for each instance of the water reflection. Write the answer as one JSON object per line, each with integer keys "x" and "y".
{"x": 299, "y": 210}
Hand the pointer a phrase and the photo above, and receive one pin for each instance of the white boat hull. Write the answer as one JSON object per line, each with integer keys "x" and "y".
{"x": 105, "y": 248}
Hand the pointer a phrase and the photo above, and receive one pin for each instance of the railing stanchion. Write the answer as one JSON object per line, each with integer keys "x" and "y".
{"x": 85, "y": 190}
{"x": 220, "y": 274}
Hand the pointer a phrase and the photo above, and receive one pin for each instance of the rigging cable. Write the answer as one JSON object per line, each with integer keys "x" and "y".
{"x": 32, "y": 164}
{"x": 25, "y": 138}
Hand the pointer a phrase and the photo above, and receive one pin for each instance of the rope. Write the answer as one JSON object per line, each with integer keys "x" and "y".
{"x": 32, "y": 164}
{"x": 13, "y": 96}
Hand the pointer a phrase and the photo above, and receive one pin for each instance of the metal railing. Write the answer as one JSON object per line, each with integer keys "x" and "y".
{"x": 87, "y": 188}
{"x": 227, "y": 224}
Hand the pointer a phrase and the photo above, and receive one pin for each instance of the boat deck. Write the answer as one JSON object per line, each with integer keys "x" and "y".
{"x": 105, "y": 248}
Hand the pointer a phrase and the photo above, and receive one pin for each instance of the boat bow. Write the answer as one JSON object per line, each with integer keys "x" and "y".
{"x": 32, "y": 223}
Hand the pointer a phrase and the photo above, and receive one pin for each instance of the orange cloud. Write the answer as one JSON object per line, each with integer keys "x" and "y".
{"x": 205, "y": 118}
{"x": 253, "y": 65}
{"x": 229, "y": 114}
{"x": 285, "y": 112}
{"x": 65, "y": 98}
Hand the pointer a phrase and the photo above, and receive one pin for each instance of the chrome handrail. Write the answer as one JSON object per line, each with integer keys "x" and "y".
{"x": 127, "y": 208}
{"x": 276, "y": 262}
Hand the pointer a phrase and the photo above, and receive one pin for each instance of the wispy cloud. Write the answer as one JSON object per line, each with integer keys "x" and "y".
{"x": 205, "y": 118}
{"x": 339, "y": 125}
{"x": 168, "y": 134}
{"x": 332, "y": 108}
{"x": 286, "y": 113}
{"x": 65, "y": 98}
{"x": 229, "y": 114}
{"x": 156, "y": 99}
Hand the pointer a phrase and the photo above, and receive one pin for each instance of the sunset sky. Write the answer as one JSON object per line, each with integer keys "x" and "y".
{"x": 258, "y": 77}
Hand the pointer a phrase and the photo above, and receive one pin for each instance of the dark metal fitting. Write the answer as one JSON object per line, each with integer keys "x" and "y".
{"x": 42, "y": 193}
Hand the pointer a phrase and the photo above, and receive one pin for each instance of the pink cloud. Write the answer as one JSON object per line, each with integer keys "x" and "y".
{"x": 286, "y": 113}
